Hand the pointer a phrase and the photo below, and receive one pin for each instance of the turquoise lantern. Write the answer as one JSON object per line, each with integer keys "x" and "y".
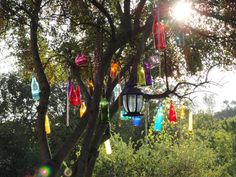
{"x": 158, "y": 119}
{"x": 35, "y": 90}
{"x": 123, "y": 115}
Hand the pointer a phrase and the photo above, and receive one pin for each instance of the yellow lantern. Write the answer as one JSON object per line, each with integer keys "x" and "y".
{"x": 141, "y": 76}
{"x": 47, "y": 125}
{"x": 82, "y": 109}
{"x": 182, "y": 112}
{"x": 190, "y": 121}
{"x": 108, "y": 147}
{"x": 90, "y": 87}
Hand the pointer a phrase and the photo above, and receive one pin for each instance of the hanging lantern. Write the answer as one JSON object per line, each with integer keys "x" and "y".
{"x": 148, "y": 75}
{"x": 123, "y": 117}
{"x": 133, "y": 101}
{"x": 182, "y": 112}
{"x": 90, "y": 87}
{"x": 73, "y": 96}
{"x": 78, "y": 94}
{"x": 81, "y": 60}
{"x": 108, "y": 147}
{"x": 35, "y": 90}
{"x": 158, "y": 119}
{"x": 172, "y": 113}
{"x": 190, "y": 121}
{"x": 47, "y": 125}
{"x": 159, "y": 35}
{"x": 117, "y": 90}
{"x": 153, "y": 61}
{"x": 104, "y": 108}
{"x": 82, "y": 108}
{"x": 141, "y": 76}
{"x": 114, "y": 70}
{"x": 136, "y": 121}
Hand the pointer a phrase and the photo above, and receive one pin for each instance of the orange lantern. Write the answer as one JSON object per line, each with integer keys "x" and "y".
{"x": 114, "y": 70}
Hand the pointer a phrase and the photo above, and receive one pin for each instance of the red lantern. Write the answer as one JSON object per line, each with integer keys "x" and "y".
{"x": 81, "y": 60}
{"x": 159, "y": 35}
{"x": 78, "y": 95}
{"x": 114, "y": 70}
{"x": 172, "y": 113}
{"x": 73, "y": 96}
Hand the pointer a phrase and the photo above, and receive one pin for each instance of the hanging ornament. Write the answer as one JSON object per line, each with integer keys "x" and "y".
{"x": 78, "y": 94}
{"x": 158, "y": 119}
{"x": 68, "y": 102}
{"x": 141, "y": 76}
{"x": 153, "y": 61}
{"x": 148, "y": 75}
{"x": 81, "y": 60}
{"x": 159, "y": 35}
{"x": 73, "y": 96}
{"x": 47, "y": 125}
{"x": 108, "y": 147}
{"x": 90, "y": 87}
{"x": 136, "y": 121}
{"x": 114, "y": 70}
{"x": 35, "y": 90}
{"x": 182, "y": 112}
{"x": 172, "y": 114}
{"x": 123, "y": 117}
{"x": 104, "y": 109}
{"x": 190, "y": 121}
{"x": 117, "y": 91}
{"x": 82, "y": 108}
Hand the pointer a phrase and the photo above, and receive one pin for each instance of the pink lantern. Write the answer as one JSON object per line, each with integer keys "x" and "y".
{"x": 81, "y": 60}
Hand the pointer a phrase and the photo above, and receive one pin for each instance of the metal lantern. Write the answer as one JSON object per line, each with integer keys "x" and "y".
{"x": 133, "y": 101}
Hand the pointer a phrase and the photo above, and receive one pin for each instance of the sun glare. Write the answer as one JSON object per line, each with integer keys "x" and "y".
{"x": 181, "y": 10}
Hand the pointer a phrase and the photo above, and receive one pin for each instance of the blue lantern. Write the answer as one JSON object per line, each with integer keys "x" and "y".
{"x": 35, "y": 89}
{"x": 158, "y": 119}
{"x": 136, "y": 121}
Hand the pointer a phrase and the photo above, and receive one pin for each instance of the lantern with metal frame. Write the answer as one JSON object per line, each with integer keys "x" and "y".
{"x": 133, "y": 101}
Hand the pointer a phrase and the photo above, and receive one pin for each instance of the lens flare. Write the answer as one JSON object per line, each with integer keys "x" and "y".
{"x": 181, "y": 10}
{"x": 45, "y": 171}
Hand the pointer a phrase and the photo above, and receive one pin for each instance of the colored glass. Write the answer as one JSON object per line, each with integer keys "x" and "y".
{"x": 159, "y": 35}
{"x": 108, "y": 147}
{"x": 114, "y": 70}
{"x": 35, "y": 90}
{"x": 81, "y": 60}
{"x": 136, "y": 121}
{"x": 123, "y": 117}
{"x": 182, "y": 112}
{"x": 73, "y": 96}
{"x": 153, "y": 61}
{"x": 90, "y": 87}
{"x": 82, "y": 109}
{"x": 104, "y": 108}
{"x": 148, "y": 76}
{"x": 117, "y": 90}
{"x": 172, "y": 113}
{"x": 141, "y": 76}
{"x": 47, "y": 125}
{"x": 159, "y": 119}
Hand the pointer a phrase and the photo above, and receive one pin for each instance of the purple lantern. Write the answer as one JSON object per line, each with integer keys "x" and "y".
{"x": 148, "y": 75}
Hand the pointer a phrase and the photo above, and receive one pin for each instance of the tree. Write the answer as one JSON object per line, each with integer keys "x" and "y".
{"x": 107, "y": 31}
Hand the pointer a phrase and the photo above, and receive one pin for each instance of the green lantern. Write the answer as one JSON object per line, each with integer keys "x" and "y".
{"x": 104, "y": 110}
